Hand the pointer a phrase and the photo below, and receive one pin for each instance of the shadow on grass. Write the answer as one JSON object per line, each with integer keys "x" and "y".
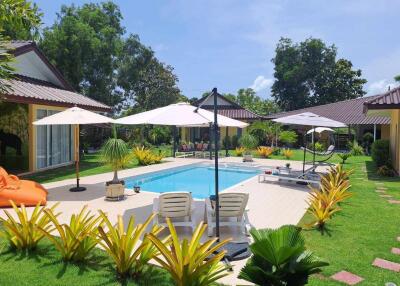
{"x": 37, "y": 254}
{"x": 373, "y": 176}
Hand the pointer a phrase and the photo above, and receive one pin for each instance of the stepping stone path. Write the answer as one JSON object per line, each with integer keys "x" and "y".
{"x": 393, "y": 202}
{"x": 385, "y": 196}
{"x": 380, "y": 191}
{"x": 347, "y": 278}
{"x": 396, "y": 250}
{"x": 398, "y": 238}
{"x": 385, "y": 264}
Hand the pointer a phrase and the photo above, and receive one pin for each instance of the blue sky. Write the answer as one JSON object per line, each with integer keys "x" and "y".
{"x": 229, "y": 44}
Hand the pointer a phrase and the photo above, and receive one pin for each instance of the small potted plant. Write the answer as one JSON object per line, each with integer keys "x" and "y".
{"x": 115, "y": 152}
{"x": 287, "y": 165}
{"x": 249, "y": 142}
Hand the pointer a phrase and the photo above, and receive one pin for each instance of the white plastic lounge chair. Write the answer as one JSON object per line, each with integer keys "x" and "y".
{"x": 232, "y": 211}
{"x": 177, "y": 206}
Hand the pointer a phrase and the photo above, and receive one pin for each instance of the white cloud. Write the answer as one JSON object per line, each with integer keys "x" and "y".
{"x": 261, "y": 83}
{"x": 380, "y": 86}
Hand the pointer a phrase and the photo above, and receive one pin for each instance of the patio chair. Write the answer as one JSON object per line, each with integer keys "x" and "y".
{"x": 178, "y": 206}
{"x": 184, "y": 151}
{"x": 232, "y": 211}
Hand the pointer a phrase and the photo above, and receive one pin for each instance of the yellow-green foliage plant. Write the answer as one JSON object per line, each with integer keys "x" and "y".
{"x": 24, "y": 232}
{"x": 76, "y": 239}
{"x": 239, "y": 151}
{"x": 321, "y": 209}
{"x": 124, "y": 246}
{"x": 146, "y": 156}
{"x": 287, "y": 153}
{"x": 264, "y": 151}
{"x": 186, "y": 260}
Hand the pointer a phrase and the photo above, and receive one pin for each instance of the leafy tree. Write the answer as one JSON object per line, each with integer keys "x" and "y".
{"x": 84, "y": 43}
{"x": 288, "y": 137}
{"x": 19, "y": 19}
{"x": 265, "y": 131}
{"x": 309, "y": 74}
{"x": 397, "y": 78}
{"x": 146, "y": 82}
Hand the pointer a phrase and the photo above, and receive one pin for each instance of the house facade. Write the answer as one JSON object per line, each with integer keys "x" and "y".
{"x": 388, "y": 105}
{"x": 37, "y": 90}
{"x": 226, "y": 108}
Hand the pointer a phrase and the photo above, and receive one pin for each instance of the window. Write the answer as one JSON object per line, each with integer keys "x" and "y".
{"x": 54, "y": 143}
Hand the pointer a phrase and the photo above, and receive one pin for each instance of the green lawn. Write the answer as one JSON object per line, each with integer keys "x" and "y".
{"x": 44, "y": 267}
{"x": 90, "y": 165}
{"x": 366, "y": 228}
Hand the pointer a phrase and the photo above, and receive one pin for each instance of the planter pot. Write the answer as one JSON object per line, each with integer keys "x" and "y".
{"x": 247, "y": 158}
{"x": 115, "y": 191}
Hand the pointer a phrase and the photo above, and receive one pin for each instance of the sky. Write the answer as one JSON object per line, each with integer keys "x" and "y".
{"x": 229, "y": 44}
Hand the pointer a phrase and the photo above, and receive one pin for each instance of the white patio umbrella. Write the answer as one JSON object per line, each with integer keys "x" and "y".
{"x": 320, "y": 130}
{"x": 179, "y": 114}
{"x": 74, "y": 116}
{"x": 309, "y": 119}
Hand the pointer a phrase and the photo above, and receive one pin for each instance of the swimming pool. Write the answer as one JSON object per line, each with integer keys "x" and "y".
{"x": 198, "y": 179}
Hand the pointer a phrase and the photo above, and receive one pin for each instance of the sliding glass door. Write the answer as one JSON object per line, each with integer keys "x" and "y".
{"x": 54, "y": 143}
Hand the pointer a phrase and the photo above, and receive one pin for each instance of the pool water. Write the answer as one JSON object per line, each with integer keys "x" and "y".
{"x": 196, "y": 179}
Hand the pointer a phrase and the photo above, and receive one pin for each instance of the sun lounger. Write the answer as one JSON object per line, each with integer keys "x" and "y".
{"x": 232, "y": 211}
{"x": 294, "y": 176}
{"x": 178, "y": 206}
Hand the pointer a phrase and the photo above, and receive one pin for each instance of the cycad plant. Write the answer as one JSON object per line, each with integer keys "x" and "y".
{"x": 24, "y": 232}
{"x": 186, "y": 260}
{"x": 124, "y": 246}
{"x": 115, "y": 152}
{"x": 280, "y": 258}
{"x": 76, "y": 239}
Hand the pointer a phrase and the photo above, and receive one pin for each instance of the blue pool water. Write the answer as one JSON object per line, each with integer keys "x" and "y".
{"x": 196, "y": 179}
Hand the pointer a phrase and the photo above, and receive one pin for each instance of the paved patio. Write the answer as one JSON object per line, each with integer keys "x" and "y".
{"x": 270, "y": 204}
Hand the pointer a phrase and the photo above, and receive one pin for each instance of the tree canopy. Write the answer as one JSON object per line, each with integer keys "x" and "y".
{"x": 308, "y": 74}
{"x": 397, "y": 78}
{"x": 247, "y": 98}
{"x": 88, "y": 45}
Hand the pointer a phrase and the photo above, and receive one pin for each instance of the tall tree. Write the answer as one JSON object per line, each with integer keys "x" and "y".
{"x": 146, "y": 82}
{"x": 85, "y": 43}
{"x": 309, "y": 74}
{"x": 19, "y": 19}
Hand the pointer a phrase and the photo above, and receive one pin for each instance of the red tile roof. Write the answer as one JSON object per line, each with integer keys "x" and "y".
{"x": 387, "y": 100}
{"x": 32, "y": 91}
{"x": 347, "y": 111}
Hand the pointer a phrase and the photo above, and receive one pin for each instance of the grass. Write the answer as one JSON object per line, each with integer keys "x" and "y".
{"x": 44, "y": 267}
{"x": 89, "y": 165}
{"x": 365, "y": 229}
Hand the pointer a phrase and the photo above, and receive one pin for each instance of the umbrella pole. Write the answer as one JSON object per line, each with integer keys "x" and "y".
{"x": 210, "y": 145}
{"x": 76, "y": 149}
{"x": 313, "y": 141}
{"x": 216, "y": 141}
{"x": 173, "y": 141}
{"x": 304, "y": 155}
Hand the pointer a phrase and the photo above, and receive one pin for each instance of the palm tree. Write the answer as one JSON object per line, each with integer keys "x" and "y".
{"x": 280, "y": 258}
{"x": 115, "y": 152}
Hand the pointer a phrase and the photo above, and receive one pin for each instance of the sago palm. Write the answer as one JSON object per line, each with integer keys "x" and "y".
{"x": 280, "y": 258}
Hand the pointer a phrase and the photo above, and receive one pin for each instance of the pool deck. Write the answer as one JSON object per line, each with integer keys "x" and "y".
{"x": 270, "y": 204}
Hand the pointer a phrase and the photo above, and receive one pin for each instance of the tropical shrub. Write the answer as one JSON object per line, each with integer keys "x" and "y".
{"x": 288, "y": 137}
{"x": 146, "y": 156}
{"x": 319, "y": 147}
{"x": 344, "y": 157}
{"x": 324, "y": 202}
{"x": 287, "y": 153}
{"x": 356, "y": 149}
{"x": 186, "y": 260}
{"x": 115, "y": 152}
{"x": 264, "y": 151}
{"x": 123, "y": 244}
{"x": 235, "y": 141}
{"x": 386, "y": 171}
{"x": 248, "y": 141}
{"x": 24, "y": 232}
{"x": 280, "y": 258}
{"x": 367, "y": 140}
{"x": 239, "y": 151}
{"x": 380, "y": 152}
{"x": 76, "y": 239}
